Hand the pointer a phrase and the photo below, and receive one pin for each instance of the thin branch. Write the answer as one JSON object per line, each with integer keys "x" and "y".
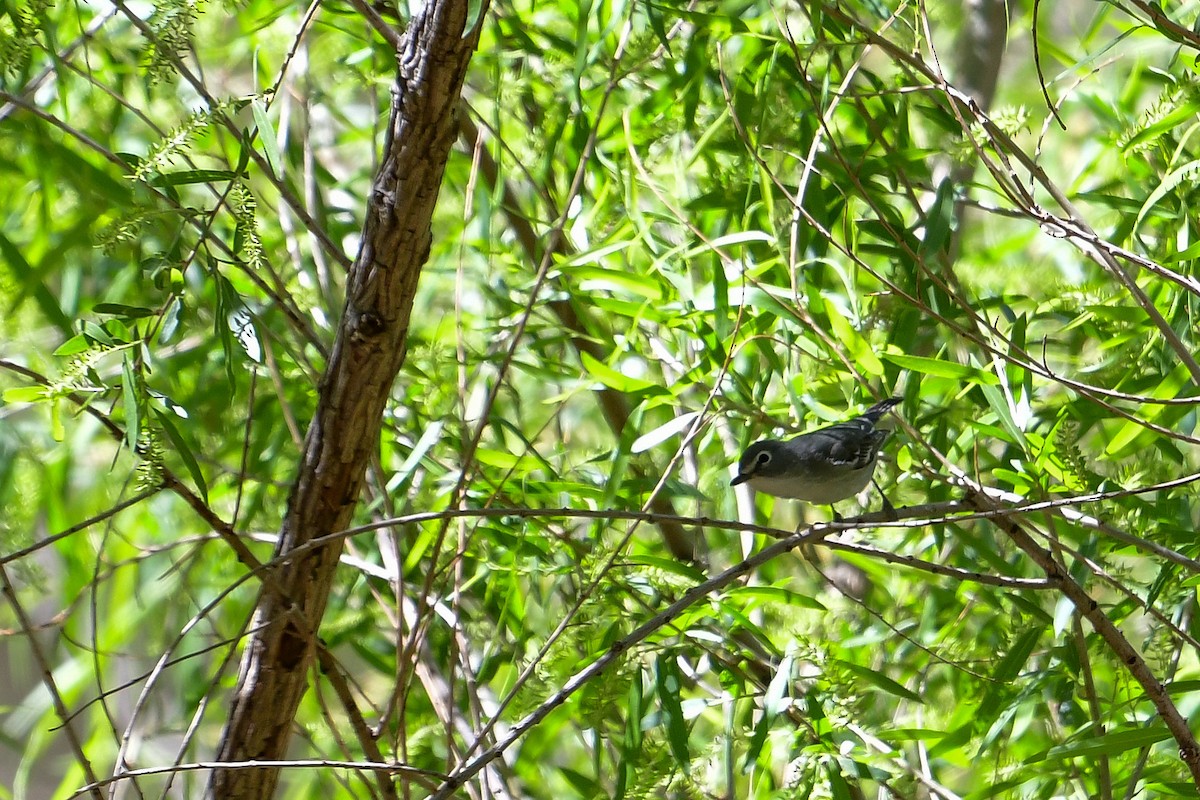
{"x": 424, "y": 777}
{"x": 1189, "y": 750}
{"x": 56, "y": 698}
{"x": 620, "y": 647}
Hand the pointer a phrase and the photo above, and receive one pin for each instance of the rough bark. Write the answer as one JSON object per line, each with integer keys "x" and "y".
{"x": 369, "y": 349}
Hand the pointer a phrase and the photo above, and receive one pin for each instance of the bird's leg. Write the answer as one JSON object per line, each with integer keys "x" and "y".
{"x": 888, "y": 509}
{"x": 836, "y": 516}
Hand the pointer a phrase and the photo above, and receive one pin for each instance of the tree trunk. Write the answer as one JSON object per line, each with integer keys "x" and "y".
{"x": 369, "y": 349}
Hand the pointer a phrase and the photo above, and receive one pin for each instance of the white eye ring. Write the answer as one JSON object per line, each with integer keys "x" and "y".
{"x": 763, "y": 458}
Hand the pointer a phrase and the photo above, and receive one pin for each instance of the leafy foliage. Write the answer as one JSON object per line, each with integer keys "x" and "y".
{"x": 668, "y": 230}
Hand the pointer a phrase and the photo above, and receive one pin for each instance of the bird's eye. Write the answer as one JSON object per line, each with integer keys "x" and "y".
{"x": 763, "y": 458}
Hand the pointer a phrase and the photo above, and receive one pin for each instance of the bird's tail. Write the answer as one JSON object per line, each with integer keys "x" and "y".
{"x": 879, "y": 409}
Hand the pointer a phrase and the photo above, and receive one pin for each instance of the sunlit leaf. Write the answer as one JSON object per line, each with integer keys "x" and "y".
{"x": 613, "y": 379}
{"x": 944, "y": 369}
{"x": 663, "y": 432}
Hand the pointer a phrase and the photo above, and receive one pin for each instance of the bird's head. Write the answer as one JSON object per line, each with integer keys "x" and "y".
{"x": 766, "y": 459}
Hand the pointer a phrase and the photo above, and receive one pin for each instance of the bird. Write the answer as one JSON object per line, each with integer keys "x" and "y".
{"x": 823, "y": 466}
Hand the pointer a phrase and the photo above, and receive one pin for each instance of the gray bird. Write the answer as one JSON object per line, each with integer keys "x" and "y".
{"x": 823, "y": 466}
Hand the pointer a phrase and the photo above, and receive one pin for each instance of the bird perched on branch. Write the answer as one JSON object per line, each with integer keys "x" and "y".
{"x": 823, "y": 466}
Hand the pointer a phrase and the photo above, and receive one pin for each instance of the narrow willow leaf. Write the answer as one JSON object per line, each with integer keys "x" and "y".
{"x": 185, "y": 452}
{"x": 911, "y": 735}
{"x": 668, "y": 685}
{"x": 133, "y": 312}
{"x": 25, "y": 394}
{"x": 266, "y": 135}
{"x": 998, "y": 402}
{"x": 129, "y": 396}
{"x": 613, "y": 379}
{"x": 430, "y": 437}
{"x": 1173, "y": 119}
{"x": 170, "y": 321}
{"x": 671, "y": 566}
{"x": 776, "y": 594}
{"x": 631, "y": 741}
{"x": 839, "y": 788}
{"x": 503, "y": 460}
{"x": 881, "y": 681}
{"x": 939, "y": 219}
{"x": 76, "y": 344}
{"x": 860, "y": 349}
{"x": 1014, "y": 660}
{"x": 1109, "y": 744}
{"x": 941, "y": 369}
{"x": 744, "y": 237}
{"x": 241, "y": 324}
{"x": 663, "y": 432}
{"x": 190, "y": 176}
{"x": 168, "y": 404}
{"x": 1169, "y": 183}
{"x": 761, "y": 729}
{"x": 57, "y": 428}
{"x": 594, "y": 279}
{"x": 777, "y": 698}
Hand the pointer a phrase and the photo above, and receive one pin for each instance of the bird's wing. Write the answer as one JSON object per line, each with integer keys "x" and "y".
{"x": 853, "y": 443}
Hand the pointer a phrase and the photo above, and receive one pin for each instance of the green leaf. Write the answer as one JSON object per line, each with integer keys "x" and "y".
{"x": 668, "y": 686}
{"x": 941, "y": 369}
{"x": 26, "y": 394}
{"x": 129, "y": 394}
{"x": 57, "y": 428}
{"x": 656, "y": 25}
{"x": 911, "y": 735}
{"x": 775, "y": 594}
{"x": 1110, "y": 744}
{"x": 171, "y": 320}
{"x": 1014, "y": 660}
{"x": 860, "y": 350}
{"x": 76, "y": 344}
{"x": 671, "y": 566}
{"x": 615, "y": 380}
{"x": 881, "y": 681}
{"x": 1168, "y": 184}
{"x": 98, "y": 334}
{"x": 998, "y": 402}
{"x": 241, "y": 325}
{"x": 190, "y": 176}
{"x": 594, "y": 279}
{"x": 506, "y": 461}
{"x": 775, "y": 702}
{"x": 939, "y": 219}
{"x": 1173, "y": 119}
{"x": 185, "y": 452}
{"x": 839, "y": 787}
{"x": 757, "y": 740}
{"x": 631, "y": 741}
{"x": 133, "y": 312}
{"x": 266, "y": 135}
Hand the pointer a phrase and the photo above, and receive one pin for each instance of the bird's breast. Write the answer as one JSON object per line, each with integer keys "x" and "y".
{"x": 822, "y": 490}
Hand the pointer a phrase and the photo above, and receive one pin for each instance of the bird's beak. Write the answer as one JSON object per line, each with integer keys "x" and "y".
{"x": 741, "y": 478}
